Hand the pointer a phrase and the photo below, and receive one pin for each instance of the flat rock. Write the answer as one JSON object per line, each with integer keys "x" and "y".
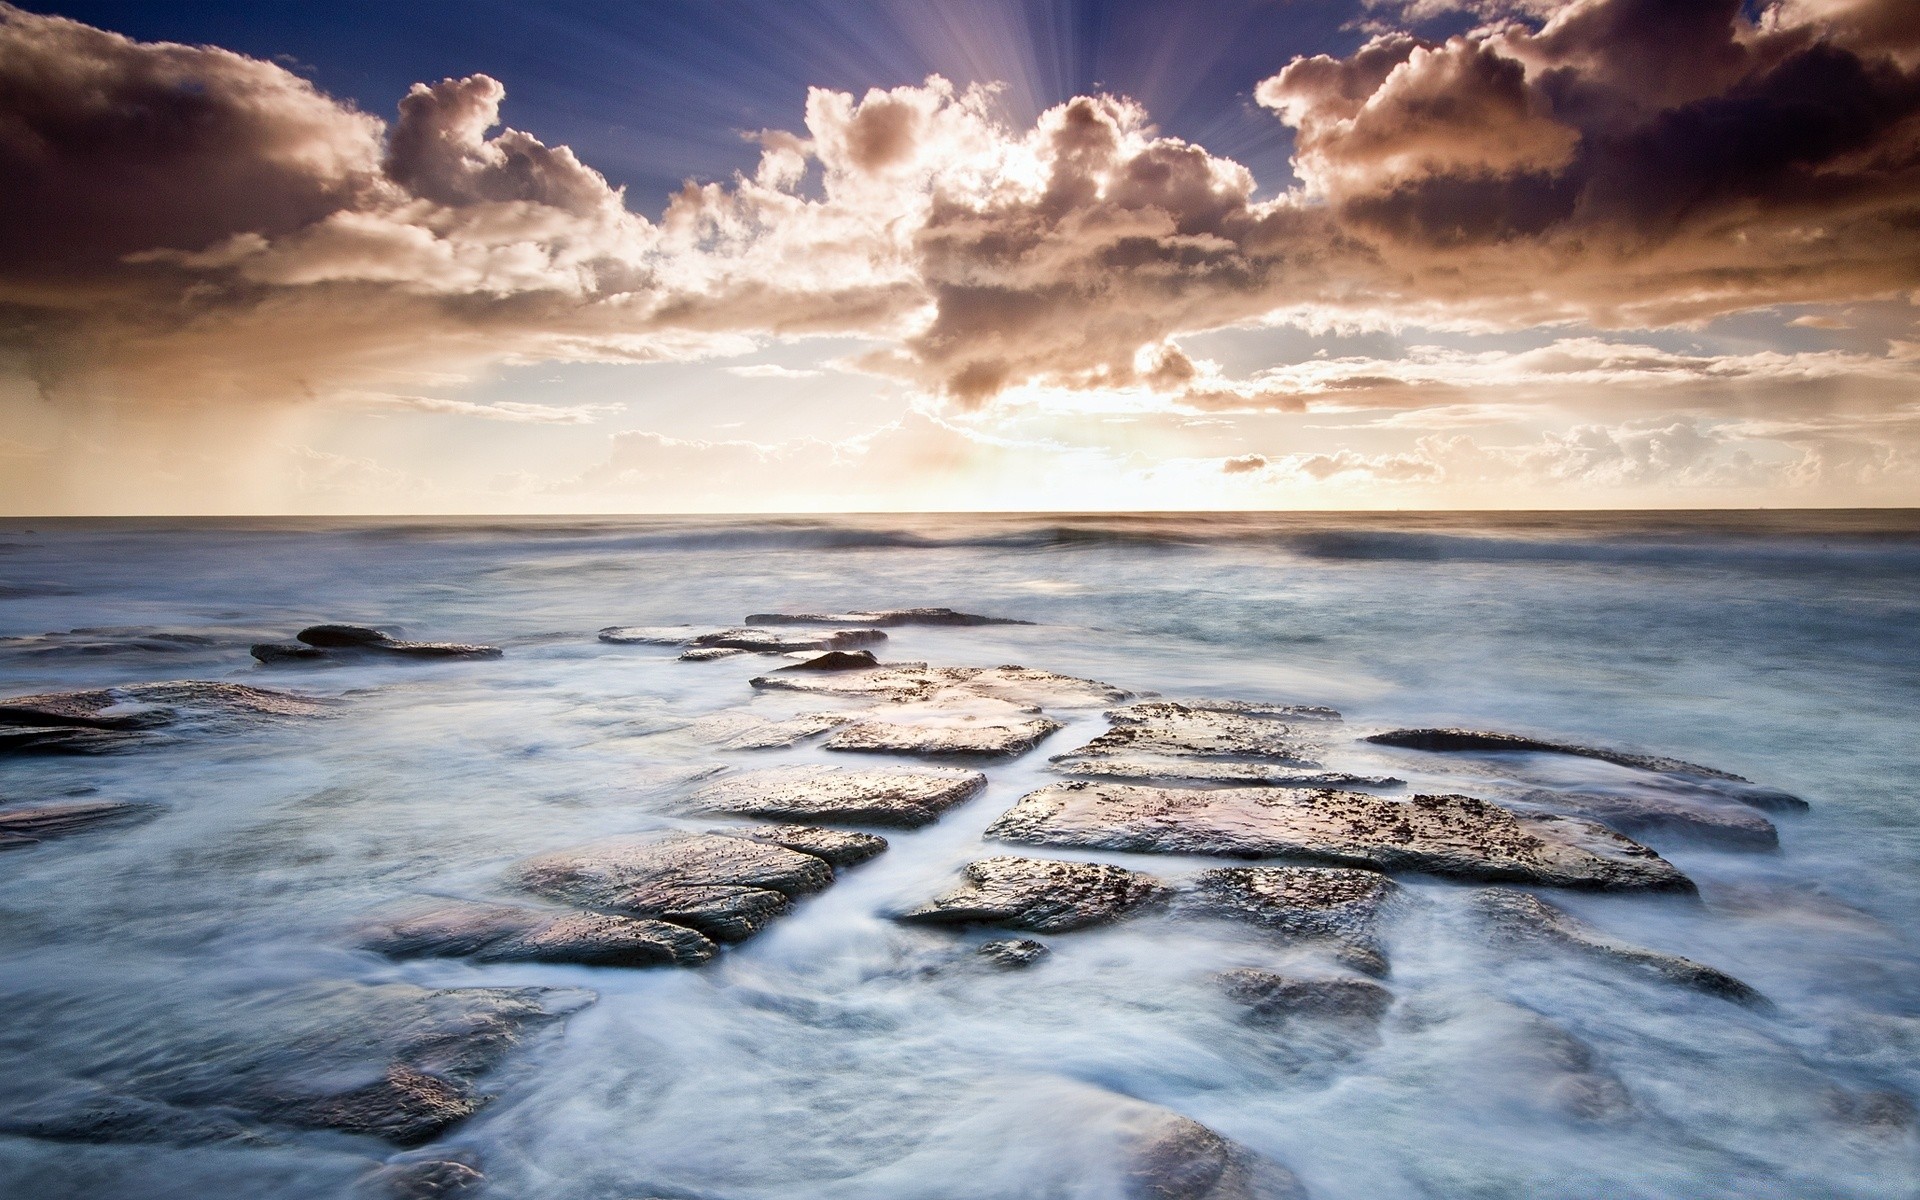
{"x": 648, "y": 635}
{"x": 1013, "y": 954}
{"x": 504, "y": 933}
{"x": 1517, "y": 917}
{"x": 840, "y": 847}
{"x": 30, "y": 825}
{"x": 1456, "y": 741}
{"x": 1341, "y": 905}
{"x": 1269, "y": 996}
{"x": 918, "y": 681}
{"x": 1044, "y": 895}
{"x": 710, "y": 653}
{"x": 1523, "y": 1059}
{"x": 1162, "y": 728}
{"x": 1457, "y": 836}
{"x": 883, "y": 617}
{"x": 728, "y": 888}
{"x": 331, "y": 642}
{"x": 907, "y": 797}
{"x": 964, "y": 735}
{"x": 1648, "y": 813}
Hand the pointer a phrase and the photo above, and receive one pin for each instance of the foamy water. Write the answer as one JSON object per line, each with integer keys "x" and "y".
{"x": 840, "y": 1054}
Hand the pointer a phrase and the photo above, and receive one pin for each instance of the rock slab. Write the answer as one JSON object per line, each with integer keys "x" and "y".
{"x": 728, "y": 888}
{"x": 906, "y": 797}
{"x": 1340, "y": 905}
{"x": 1042, "y": 895}
{"x": 1456, "y": 836}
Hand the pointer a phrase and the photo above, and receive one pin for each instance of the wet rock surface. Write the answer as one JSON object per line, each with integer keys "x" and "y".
{"x": 962, "y": 736}
{"x": 1013, "y": 954}
{"x": 1212, "y": 741}
{"x": 1273, "y": 997}
{"x": 106, "y": 719}
{"x": 1528, "y": 1060}
{"x": 391, "y": 1061}
{"x": 1456, "y": 836}
{"x": 1474, "y": 741}
{"x": 883, "y": 617}
{"x": 339, "y": 642}
{"x": 905, "y": 797}
{"x": 1207, "y": 730}
{"x": 839, "y": 847}
{"x": 422, "y": 1179}
{"x": 1652, "y": 814}
{"x": 504, "y": 933}
{"x": 1177, "y": 1158}
{"x": 837, "y": 660}
{"x": 1043, "y": 895}
{"x": 728, "y": 888}
{"x": 29, "y": 825}
{"x": 1520, "y": 918}
{"x": 1340, "y": 905}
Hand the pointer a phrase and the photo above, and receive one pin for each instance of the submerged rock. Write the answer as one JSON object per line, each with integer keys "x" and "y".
{"x": 441, "y": 1178}
{"x": 1013, "y": 953}
{"x": 900, "y": 796}
{"x": 1457, "y": 836}
{"x": 1480, "y": 741}
{"x": 1177, "y": 1158}
{"x": 743, "y": 731}
{"x": 106, "y": 719}
{"x": 840, "y": 847}
{"x": 1342, "y": 905}
{"x": 963, "y": 736}
{"x": 346, "y": 641}
{"x": 742, "y": 639}
{"x": 1653, "y": 814}
{"x": 503, "y": 933}
{"x": 1261, "y": 708}
{"x": 1520, "y": 917}
{"x": 391, "y": 1061}
{"x": 837, "y": 660}
{"x": 882, "y": 617}
{"x": 32, "y": 824}
{"x": 1044, "y": 895}
{"x": 1519, "y": 1058}
{"x": 728, "y": 888}
{"x": 1269, "y": 996}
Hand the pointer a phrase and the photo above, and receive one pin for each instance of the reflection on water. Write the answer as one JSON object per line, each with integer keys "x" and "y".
{"x": 841, "y": 1054}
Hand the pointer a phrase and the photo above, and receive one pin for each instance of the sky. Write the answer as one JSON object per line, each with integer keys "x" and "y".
{"x": 729, "y": 256}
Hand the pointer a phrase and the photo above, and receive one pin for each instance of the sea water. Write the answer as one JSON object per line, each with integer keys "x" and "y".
{"x": 841, "y": 1054}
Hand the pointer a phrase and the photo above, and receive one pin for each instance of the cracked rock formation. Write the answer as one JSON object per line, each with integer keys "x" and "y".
{"x": 905, "y": 797}
{"x": 1457, "y": 836}
{"x": 1043, "y": 895}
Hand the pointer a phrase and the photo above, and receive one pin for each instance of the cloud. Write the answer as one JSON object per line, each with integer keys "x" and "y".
{"x": 771, "y": 371}
{"x": 505, "y": 410}
{"x": 187, "y": 225}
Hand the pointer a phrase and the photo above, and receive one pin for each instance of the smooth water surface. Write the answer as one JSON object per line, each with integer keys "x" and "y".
{"x": 842, "y": 1055}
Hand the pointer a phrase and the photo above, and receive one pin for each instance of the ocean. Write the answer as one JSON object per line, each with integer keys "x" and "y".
{"x": 841, "y": 1053}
